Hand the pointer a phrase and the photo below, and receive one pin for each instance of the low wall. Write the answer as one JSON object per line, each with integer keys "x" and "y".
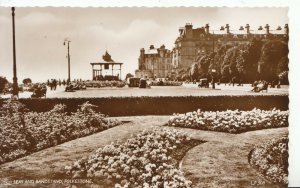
{"x": 131, "y": 106}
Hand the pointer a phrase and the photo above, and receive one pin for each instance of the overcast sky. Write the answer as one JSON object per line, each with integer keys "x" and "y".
{"x": 40, "y": 33}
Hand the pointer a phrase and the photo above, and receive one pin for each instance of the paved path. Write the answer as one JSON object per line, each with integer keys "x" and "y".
{"x": 185, "y": 90}
{"x": 221, "y": 161}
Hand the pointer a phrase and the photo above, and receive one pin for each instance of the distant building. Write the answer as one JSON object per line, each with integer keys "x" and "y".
{"x": 194, "y": 42}
{"x": 154, "y": 63}
{"x": 200, "y": 41}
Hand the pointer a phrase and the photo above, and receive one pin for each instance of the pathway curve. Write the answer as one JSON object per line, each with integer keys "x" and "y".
{"x": 223, "y": 160}
{"x": 50, "y": 163}
{"x": 220, "y": 162}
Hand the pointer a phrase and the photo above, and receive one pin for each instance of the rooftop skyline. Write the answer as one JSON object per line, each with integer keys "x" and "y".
{"x": 40, "y": 33}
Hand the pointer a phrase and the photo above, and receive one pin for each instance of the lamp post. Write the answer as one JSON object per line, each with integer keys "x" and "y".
{"x": 15, "y": 91}
{"x": 67, "y": 41}
{"x": 213, "y": 70}
{"x": 213, "y": 80}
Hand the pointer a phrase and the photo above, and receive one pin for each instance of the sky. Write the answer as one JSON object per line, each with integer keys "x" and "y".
{"x": 40, "y": 33}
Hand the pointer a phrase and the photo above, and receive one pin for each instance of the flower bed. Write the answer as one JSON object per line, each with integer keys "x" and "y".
{"x": 100, "y": 84}
{"x": 166, "y": 83}
{"x": 149, "y": 159}
{"x": 271, "y": 160}
{"x": 232, "y": 121}
{"x": 22, "y": 133}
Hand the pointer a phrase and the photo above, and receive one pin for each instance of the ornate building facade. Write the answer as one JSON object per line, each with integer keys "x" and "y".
{"x": 154, "y": 63}
{"x": 193, "y": 43}
{"x": 200, "y": 41}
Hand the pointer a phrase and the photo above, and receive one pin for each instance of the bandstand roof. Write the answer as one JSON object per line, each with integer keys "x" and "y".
{"x": 107, "y": 60}
{"x": 103, "y": 63}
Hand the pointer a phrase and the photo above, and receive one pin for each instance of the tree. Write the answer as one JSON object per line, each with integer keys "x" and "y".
{"x": 284, "y": 77}
{"x": 184, "y": 77}
{"x": 272, "y": 52}
{"x": 3, "y": 82}
{"x": 283, "y": 70}
{"x": 251, "y": 60}
{"x": 225, "y": 72}
{"x": 27, "y": 81}
{"x": 128, "y": 75}
{"x": 194, "y": 72}
{"x": 204, "y": 63}
{"x": 283, "y": 65}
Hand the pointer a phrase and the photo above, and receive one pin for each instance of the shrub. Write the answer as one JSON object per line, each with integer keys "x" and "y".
{"x": 23, "y": 132}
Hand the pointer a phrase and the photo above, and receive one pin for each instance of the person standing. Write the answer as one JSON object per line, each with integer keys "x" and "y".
{"x": 51, "y": 84}
{"x": 54, "y": 84}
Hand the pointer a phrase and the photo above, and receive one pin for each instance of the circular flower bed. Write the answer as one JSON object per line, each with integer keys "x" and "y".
{"x": 144, "y": 160}
{"x": 232, "y": 121}
{"x": 271, "y": 160}
{"x": 22, "y": 132}
{"x": 166, "y": 83}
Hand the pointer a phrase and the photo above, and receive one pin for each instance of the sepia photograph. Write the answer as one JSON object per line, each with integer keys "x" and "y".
{"x": 140, "y": 97}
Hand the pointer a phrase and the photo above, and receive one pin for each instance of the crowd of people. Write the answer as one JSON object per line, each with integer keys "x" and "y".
{"x": 40, "y": 89}
{"x": 52, "y": 83}
{"x": 257, "y": 86}
{"x": 262, "y": 85}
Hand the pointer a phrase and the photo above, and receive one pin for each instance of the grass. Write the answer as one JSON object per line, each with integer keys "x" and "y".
{"x": 223, "y": 160}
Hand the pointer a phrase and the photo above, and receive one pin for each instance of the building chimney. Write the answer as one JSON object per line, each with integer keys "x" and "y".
{"x": 181, "y": 30}
{"x": 188, "y": 26}
{"x": 142, "y": 59}
{"x": 207, "y": 29}
{"x": 267, "y": 29}
{"x": 247, "y": 28}
{"x": 151, "y": 47}
{"x": 227, "y": 28}
{"x": 286, "y": 29}
{"x": 188, "y": 31}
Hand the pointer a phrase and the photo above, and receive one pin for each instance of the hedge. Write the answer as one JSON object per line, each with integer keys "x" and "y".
{"x": 164, "y": 105}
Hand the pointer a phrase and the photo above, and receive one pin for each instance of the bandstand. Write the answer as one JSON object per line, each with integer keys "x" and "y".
{"x": 112, "y": 68}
